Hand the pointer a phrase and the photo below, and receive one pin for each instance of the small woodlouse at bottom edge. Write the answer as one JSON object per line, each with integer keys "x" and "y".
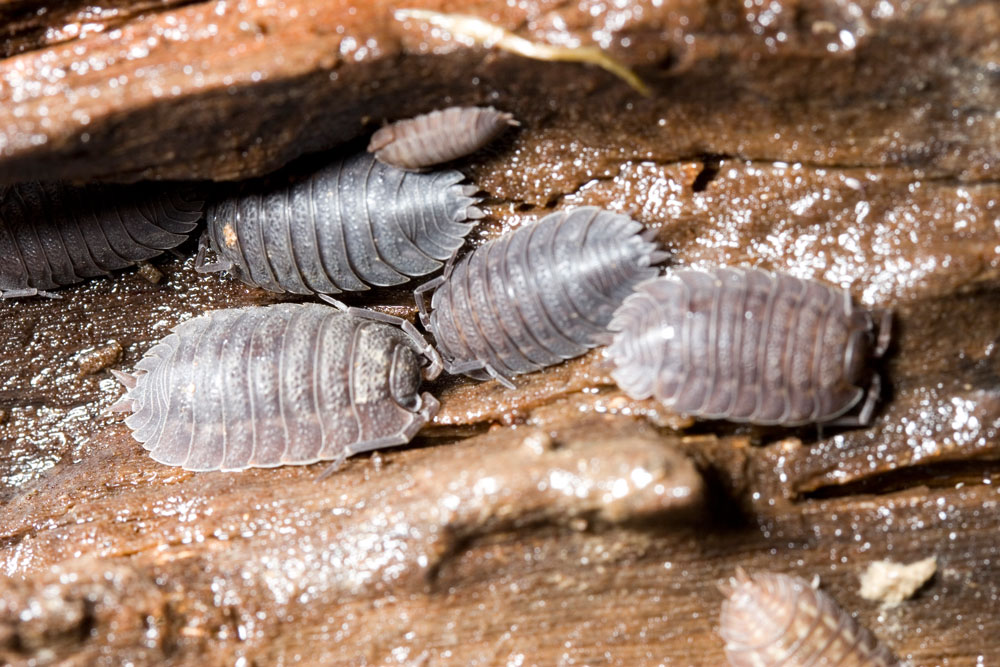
{"x": 770, "y": 619}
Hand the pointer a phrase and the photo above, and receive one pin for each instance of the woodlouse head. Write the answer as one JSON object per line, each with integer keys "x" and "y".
{"x": 856, "y": 356}
{"x": 405, "y": 376}
{"x": 869, "y": 339}
{"x": 383, "y": 137}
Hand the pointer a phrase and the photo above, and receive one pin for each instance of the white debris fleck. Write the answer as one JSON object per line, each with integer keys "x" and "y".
{"x": 891, "y": 583}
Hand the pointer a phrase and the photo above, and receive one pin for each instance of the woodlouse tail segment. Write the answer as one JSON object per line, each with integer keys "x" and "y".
{"x": 200, "y": 264}
{"x": 126, "y": 402}
{"x": 382, "y": 138}
{"x": 739, "y": 578}
{"x": 469, "y": 209}
{"x": 128, "y": 380}
{"x": 657, "y": 255}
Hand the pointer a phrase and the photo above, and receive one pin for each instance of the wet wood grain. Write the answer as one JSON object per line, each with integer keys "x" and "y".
{"x": 560, "y": 522}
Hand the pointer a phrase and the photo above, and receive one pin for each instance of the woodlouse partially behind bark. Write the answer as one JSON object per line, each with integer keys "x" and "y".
{"x": 748, "y": 346}
{"x": 438, "y": 137}
{"x": 350, "y": 225}
{"x": 53, "y": 235}
{"x": 277, "y": 385}
{"x": 772, "y": 619}
{"x": 539, "y": 295}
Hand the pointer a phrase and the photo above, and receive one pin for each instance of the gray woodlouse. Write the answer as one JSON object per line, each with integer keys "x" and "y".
{"x": 772, "y": 619}
{"x": 439, "y": 136}
{"x": 350, "y": 225}
{"x": 53, "y": 235}
{"x": 748, "y": 346}
{"x": 276, "y": 385}
{"x": 539, "y": 295}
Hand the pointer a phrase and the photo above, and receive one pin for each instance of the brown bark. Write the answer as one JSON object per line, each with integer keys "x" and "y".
{"x": 559, "y": 523}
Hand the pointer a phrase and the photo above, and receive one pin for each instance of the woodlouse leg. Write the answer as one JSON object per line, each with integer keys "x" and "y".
{"x": 429, "y": 408}
{"x": 336, "y": 303}
{"x": 884, "y": 332}
{"x": 864, "y": 416}
{"x": 335, "y": 465}
{"x": 418, "y": 296}
{"x": 199, "y": 260}
{"x": 425, "y": 348}
{"x": 498, "y": 377}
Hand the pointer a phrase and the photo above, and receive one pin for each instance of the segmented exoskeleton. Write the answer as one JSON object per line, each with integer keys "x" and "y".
{"x": 438, "y": 137}
{"x": 275, "y": 385}
{"x": 53, "y": 235}
{"x": 771, "y": 619}
{"x": 539, "y": 295}
{"x": 350, "y": 225}
{"x": 748, "y": 346}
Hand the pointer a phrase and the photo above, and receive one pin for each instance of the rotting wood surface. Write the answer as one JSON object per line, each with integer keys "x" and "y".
{"x": 559, "y": 523}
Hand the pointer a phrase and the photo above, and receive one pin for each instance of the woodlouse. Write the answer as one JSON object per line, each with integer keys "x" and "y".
{"x": 275, "y": 385}
{"x": 350, "y": 225}
{"x": 771, "y": 619}
{"x": 53, "y": 235}
{"x": 440, "y": 136}
{"x": 748, "y": 346}
{"x": 539, "y": 295}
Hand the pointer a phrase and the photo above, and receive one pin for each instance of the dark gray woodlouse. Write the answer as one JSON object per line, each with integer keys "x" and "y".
{"x": 748, "y": 346}
{"x": 353, "y": 224}
{"x": 772, "y": 619}
{"x": 439, "y": 136}
{"x": 539, "y": 295}
{"x": 53, "y": 235}
{"x": 276, "y": 385}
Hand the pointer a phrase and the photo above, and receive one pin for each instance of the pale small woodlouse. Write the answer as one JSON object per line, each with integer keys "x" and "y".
{"x": 539, "y": 295}
{"x": 437, "y": 137}
{"x": 748, "y": 345}
{"x": 287, "y": 384}
{"x": 351, "y": 225}
{"x": 53, "y": 235}
{"x": 771, "y": 619}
